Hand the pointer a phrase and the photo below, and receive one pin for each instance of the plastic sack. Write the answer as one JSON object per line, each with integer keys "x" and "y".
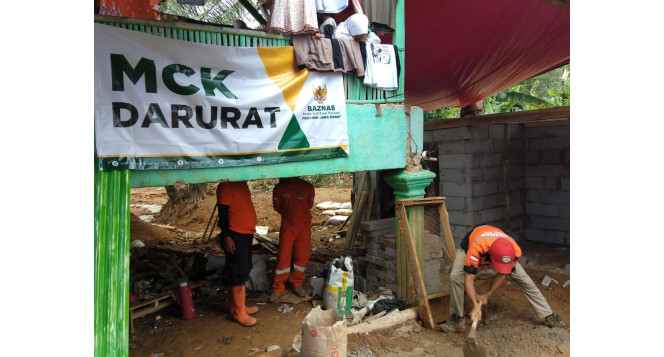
{"x": 323, "y": 334}
{"x": 258, "y": 280}
{"x": 339, "y": 286}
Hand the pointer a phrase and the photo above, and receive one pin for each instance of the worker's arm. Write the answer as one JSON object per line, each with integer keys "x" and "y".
{"x": 469, "y": 287}
{"x": 227, "y": 242}
{"x": 498, "y": 281}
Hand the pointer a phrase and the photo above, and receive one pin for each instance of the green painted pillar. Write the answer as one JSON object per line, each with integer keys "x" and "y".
{"x": 409, "y": 185}
{"x": 111, "y": 263}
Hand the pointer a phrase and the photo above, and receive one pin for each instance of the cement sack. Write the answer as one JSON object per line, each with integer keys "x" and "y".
{"x": 323, "y": 334}
{"x": 328, "y": 205}
{"x": 339, "y": 286}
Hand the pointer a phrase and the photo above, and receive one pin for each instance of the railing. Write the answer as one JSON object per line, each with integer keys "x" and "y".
{"x": 356, "y": 92}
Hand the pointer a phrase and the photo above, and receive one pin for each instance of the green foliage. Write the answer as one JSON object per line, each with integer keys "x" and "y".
{"x": 550, "y": 89}
{"x": 442, "y": 113}
{"x": 222, "y": 12}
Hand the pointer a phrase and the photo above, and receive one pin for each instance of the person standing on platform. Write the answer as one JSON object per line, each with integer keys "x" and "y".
{"x": 293, "y": 198}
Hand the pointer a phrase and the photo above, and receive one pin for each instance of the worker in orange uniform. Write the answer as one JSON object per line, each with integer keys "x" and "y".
{"x": 293, "y": 199}
{"x": 237, "y": 221}
{"x": 487, "y": 247}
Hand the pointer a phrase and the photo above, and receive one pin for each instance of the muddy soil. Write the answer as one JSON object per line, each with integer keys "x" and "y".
{"x": 508, "y": 329}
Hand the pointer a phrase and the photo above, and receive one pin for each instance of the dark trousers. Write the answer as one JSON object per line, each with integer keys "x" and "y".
{"x": 239, "y": 264}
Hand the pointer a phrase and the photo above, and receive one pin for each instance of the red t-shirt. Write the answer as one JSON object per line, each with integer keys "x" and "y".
{"x": 241, "y": 213}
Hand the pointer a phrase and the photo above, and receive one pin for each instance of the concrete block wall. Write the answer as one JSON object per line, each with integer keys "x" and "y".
{"x": 471, "y": 176}
{"x": 547, "y": 184}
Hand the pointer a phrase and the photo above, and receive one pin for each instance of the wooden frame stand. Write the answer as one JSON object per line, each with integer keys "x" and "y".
{"x": 411, "y": 253}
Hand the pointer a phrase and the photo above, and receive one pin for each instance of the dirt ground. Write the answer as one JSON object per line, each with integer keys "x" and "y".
{"x": 508, "y": 329}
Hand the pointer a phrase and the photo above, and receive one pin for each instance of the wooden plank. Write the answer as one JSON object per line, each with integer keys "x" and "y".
{"x": 367, "y": 213}
{"x": 438, "y": 295}
{"x": 414, "y": 267}
{"x": 355, "y": 220}
{"x": 447, "y": 232}
{"x": 408, "y": 202}
{"x": 561, "y": 114}
{"x": 148, "y": 310}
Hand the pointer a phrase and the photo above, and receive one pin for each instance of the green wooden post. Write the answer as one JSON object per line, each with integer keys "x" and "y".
{"x": 111, "y": 263}
{"x": 409, "y": 185}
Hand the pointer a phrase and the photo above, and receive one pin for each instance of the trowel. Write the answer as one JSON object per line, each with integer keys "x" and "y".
{"x": 472, "y": 348}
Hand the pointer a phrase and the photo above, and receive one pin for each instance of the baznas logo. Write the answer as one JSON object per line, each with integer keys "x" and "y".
{"x": 320, "y": 94}
{"x": 506, "y": 259}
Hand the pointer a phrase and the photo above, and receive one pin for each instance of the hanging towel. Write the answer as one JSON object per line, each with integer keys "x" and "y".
{"x": 331, "y": 6}
{"x": 292, "y": 17}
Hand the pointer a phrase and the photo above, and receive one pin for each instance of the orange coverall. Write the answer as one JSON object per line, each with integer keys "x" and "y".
{"x": 293, "y": 198}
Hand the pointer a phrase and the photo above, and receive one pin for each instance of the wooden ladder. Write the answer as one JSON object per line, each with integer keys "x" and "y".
{"x": 411, "y": 254}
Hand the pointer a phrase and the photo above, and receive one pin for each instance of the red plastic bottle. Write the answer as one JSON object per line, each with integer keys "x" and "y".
{"x": 185, "y": 300}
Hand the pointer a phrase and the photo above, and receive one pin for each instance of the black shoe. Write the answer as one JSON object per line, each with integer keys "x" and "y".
{"x": 454, "y": 325}
{"x": 554, "y": 320}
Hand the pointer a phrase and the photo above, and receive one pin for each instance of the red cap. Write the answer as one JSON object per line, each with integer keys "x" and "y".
{"x": 502, "y": 255}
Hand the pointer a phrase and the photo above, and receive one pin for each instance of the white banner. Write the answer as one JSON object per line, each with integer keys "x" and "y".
{"x": 162, "y": 103}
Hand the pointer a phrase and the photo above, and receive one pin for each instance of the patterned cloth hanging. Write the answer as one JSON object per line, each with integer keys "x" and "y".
{"x": 292, "y": 17}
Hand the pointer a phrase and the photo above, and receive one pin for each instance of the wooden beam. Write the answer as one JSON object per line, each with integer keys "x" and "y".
{"x": 556, "y": 114}
{"x": 414, "y": 267}
{"x": 447, "y": 232}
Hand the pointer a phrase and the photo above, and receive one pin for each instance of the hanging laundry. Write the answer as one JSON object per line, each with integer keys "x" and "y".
{"x": 321, "y": 55}
{"x": 327, "y": 25}
{"x": 381, "y": 14}
{"x": 331, "y": 6}
{"x": 381, "y": 67}
{"x": 356, "y": 27}
{"x": 292, "y": 17}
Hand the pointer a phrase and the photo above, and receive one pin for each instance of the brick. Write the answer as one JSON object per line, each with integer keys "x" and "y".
{"x": 541, "y": 209}
{"x": 389, "y": 243}
{"x": 533, "y": 195}
{"x": 454, "y": 175}
{"x": 454, "y": 161}
{"x": 455, "y": 147}
{"x": 532, "y": 157}
{"x": 483, "y": 146}
{"x": 490, "y": 159}
{"x": 465, "y": 218}
{"x": 486, "y": 173}
{"x": 427, "y": 138}
{"x": 380, "y": 254}
{"x": 534, "y": 183}
{"x": 550, "y": 223}
{"x": 490, "y": 201}
{"x": 564, "y": 184}
{"x": 555, "y": 237}
{"x": 455, "y": 203}
{"x": 451, "y": 134}
{"x": 565, "y": 156}
{"x": 391, "y": 265}
{"x": 497, "y": 131}
{"x": 557, "y": 131}
{"x": 534, "y": 132}
{"x": 551, "y": 184}
{"x": 491, "y": 214}
{"x": 564, "y": 211}
{"x": 390, "y": 253}
{"x": 552, "y": 156}
{"x": 379, "y": 224}
{"x": 480, "y": 132}
{"x": 554, "y": 197}
{"x": 456, "y": 189}
{"x": 516, "y": 209}
{"x": 486, "y": 188}
{"x": 544, "y": 170}
{"x": 546, "y": 143}
{"x": 534, "y": 234}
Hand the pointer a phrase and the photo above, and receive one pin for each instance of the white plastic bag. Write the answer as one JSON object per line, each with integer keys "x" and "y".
{"x": 339, "y": 286}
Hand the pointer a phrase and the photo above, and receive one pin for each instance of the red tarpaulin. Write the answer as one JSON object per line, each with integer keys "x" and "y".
{"x": 459, "y": 52}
